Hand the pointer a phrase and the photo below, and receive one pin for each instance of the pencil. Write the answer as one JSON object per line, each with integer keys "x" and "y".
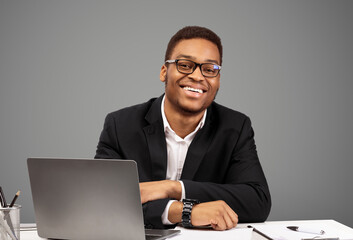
{"x": 14, "y": 199}
{"x": 3, "y": 200}
{"x": 262, "y": 234}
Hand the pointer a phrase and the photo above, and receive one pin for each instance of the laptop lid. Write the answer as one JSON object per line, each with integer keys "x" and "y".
{"x": 86, "y": 198}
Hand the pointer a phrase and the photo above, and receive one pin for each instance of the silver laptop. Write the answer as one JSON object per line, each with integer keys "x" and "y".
{"x": 88, "y": 199}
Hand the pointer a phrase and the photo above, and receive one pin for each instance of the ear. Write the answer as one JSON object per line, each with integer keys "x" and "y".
{"x": 163, "y": 73}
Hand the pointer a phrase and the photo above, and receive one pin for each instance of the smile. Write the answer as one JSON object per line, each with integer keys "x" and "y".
{"x": 193, "y": 89}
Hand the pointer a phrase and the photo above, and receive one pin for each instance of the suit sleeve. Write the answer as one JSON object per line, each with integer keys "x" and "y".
{"x": 244, "y": 188}
{"x": 152, "y": 212}
{"x": 108, "y": 148}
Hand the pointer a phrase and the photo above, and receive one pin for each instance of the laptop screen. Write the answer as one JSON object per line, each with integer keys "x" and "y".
{"x": 86, "y": 198}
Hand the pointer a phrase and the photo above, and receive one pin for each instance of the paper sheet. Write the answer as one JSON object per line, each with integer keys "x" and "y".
{"x": 232, "y": 234}
{"x": 281, "y": 232}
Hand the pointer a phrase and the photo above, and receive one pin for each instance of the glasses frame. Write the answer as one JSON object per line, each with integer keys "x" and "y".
{"x": 196, "y": 65}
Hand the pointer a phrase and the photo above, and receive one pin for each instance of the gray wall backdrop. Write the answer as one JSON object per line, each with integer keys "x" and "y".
{"x": 287, "y": 64}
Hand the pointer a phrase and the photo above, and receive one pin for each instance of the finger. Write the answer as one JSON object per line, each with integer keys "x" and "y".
{"x": 218, "y": 224}
{"x": 214, "y": 225}
{"x": 232, "y": 218}
{"x": 228, "y": 221}
{"x": 236, "y": 220}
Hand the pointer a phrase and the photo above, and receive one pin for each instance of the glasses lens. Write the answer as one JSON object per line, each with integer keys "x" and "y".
{"x": 185, "y": 66}
{"x": 209, "y": 69}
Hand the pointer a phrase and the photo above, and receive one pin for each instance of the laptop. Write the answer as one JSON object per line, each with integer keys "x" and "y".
{"x": 88, "y": 199}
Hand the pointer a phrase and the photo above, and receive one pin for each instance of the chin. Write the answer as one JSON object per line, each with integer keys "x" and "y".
{"x": 192, "y": 110}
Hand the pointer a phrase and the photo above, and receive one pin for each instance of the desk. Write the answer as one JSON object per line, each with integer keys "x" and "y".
{"x": 32, "y": 235}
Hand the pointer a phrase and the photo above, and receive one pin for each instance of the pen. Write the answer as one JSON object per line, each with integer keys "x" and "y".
{"x": 262, "y": 234}
{"x": 306, "y": 230}
{"x": 3, "y": 200}
{"x": 14, "y": 199}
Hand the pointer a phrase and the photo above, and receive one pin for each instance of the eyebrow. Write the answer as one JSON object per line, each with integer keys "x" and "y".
{"x": 193, "y": 58}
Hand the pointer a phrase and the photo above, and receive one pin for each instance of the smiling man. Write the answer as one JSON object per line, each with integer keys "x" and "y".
{"x": 197, "y": 160}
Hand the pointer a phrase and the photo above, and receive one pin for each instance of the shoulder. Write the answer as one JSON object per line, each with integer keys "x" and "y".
{"x": 132, "y": 113}
{"x": 224, "y": 115}
{"x": 229, "y": 122}
{"x": 141, "y": 108}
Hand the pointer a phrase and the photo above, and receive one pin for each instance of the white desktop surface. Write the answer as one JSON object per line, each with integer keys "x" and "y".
{"x": 32, "y": 235}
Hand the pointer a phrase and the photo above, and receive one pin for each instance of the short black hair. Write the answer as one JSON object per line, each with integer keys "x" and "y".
{"x": 190, "y": 32}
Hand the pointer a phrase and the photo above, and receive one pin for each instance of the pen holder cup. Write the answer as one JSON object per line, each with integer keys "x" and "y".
{"x": 10, "y": 223}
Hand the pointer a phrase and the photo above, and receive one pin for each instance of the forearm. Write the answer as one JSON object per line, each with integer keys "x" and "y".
{"x": 160, "y": 190}
{"x": 251, "y": 201}
{"x": 175, "y": 212}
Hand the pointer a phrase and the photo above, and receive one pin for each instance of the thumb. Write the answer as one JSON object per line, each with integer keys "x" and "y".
{"x": 214, "y": 224}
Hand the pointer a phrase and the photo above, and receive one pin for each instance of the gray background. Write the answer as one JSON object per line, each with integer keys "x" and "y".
{"x": 287, "y": 64}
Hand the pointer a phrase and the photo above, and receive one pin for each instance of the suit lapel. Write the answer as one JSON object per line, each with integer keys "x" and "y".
{"x": 156, "y": 141}
{"x": 198, "y": 148}
{"x": 158, "y": 148}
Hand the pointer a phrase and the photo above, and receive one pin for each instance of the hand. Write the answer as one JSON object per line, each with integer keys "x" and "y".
{"x": 159, "y": 190}
{"x": 217, "y": 214}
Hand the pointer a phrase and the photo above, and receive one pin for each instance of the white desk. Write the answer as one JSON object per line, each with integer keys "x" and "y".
{"x": 32, "y": 235}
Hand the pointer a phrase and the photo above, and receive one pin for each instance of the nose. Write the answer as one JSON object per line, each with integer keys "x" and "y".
{"x": 197, "y": 75}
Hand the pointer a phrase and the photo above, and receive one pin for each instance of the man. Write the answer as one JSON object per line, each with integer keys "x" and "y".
{"x": 197, "y": 160}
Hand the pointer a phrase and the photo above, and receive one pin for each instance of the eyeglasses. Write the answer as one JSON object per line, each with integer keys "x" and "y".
{"x": 188, "y": 67}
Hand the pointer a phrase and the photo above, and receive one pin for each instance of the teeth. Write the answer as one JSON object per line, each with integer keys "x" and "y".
{"x": 193, "y": 89}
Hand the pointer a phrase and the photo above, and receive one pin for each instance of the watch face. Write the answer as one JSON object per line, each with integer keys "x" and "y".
{"x": 193, "y": 201}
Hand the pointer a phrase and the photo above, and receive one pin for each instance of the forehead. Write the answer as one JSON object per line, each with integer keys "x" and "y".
{"x": 197, "y": 49}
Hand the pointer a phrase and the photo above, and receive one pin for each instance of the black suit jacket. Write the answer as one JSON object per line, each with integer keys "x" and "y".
{"x": 221, "y": 162}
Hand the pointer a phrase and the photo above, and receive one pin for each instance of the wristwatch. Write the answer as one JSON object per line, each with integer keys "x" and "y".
{"x": 186, "y": 215}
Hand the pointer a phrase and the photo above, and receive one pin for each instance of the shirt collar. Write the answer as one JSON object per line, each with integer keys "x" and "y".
{"x": 167, "y": 126}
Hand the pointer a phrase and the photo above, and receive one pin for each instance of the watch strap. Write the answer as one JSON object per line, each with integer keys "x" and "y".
{"x": 186, "y": 214}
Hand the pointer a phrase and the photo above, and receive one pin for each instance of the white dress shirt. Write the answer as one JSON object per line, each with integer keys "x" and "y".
{"x": 177, "y": 149}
